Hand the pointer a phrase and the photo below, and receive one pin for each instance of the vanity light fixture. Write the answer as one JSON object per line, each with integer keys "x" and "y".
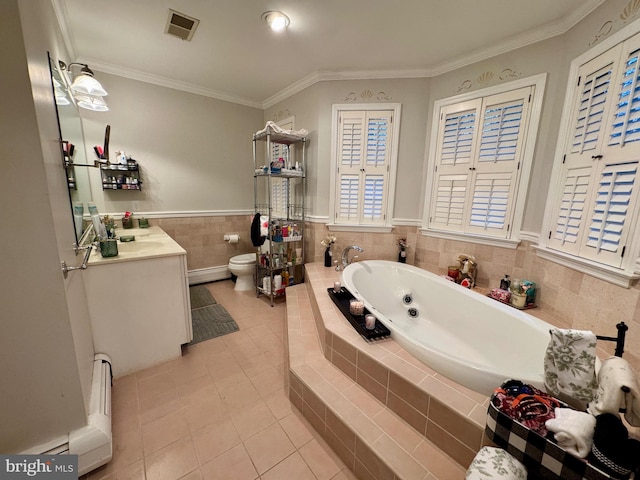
{"x": 97, "y": 104}
{"x": 277, "y": 21}
{"x": 85, "y": 88}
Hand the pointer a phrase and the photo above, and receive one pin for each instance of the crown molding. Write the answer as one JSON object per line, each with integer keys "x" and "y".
{"x": 132, "y": 74}
{"x": 517, "y": 41}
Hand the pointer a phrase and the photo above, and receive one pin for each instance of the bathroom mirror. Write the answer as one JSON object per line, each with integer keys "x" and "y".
{"x": 74, "y": 161}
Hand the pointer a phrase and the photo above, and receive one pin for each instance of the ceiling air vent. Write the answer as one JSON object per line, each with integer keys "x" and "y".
{"x": 181, "y": 25}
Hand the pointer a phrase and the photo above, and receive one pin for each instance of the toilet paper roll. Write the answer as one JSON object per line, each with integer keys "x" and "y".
{"x": 232, "y": 238}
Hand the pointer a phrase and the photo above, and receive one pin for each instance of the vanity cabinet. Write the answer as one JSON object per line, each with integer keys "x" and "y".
{"x": 121, "y": 177}
{"x": 139, "y": 304}
{"x": 279, "y": 192}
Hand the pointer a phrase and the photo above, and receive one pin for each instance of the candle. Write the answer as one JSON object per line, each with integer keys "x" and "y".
{"x": 337, "y": 287}
{"x": 356, "y": 307}
{"x": 370, "y": 322}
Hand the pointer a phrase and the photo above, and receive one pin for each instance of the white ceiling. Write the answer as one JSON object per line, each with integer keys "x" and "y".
{"x": 234, "y": 56}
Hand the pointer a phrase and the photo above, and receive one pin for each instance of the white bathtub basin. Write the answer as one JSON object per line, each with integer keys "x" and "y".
{"x": 469, "y": 338}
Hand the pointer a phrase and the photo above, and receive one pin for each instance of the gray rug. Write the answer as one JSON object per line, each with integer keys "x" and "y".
{"x": 200, "y": 296}
{"x": 209, "y": 318}
{"x": 210, "y": 322}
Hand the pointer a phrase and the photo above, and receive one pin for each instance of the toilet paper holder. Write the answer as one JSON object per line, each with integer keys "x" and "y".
{"x": 231, "y": 237}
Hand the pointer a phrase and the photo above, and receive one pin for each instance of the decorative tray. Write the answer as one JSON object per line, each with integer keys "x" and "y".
{"x": 341, "y": 299}
{"x": 526, "y": 307}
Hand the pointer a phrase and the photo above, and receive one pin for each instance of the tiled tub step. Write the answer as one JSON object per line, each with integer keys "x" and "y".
{"x": 370, "y": 438}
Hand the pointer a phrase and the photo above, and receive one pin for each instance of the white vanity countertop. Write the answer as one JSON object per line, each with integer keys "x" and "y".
{"x": 150, "y": 242}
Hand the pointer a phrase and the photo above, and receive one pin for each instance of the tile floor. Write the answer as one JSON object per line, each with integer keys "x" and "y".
{"x": 220, "y": 411}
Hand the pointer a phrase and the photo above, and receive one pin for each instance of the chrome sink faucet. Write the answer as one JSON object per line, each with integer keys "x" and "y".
{"x": 345, "y": 257}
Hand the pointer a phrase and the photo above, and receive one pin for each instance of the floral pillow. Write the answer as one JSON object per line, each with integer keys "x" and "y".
{"x": 495, "y": 463}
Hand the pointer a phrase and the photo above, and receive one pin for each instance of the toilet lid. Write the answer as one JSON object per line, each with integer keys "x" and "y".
{"x": 244, "y": 259}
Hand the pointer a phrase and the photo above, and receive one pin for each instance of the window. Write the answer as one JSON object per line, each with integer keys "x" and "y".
{"x": 280, "y": 194}
{"x": 480, "y": 159}
{"x": 365, "y": 139}
{"x": 594, "y": 202}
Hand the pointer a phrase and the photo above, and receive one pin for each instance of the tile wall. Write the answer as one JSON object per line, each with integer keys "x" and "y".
{"x": 566, "y": 297}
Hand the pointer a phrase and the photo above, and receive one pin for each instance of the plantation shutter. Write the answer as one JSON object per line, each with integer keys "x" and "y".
{"x": 625, "y": 127}
{"x": 480, "y": 148}
{"x": 591, "y": 107}
{"x": 364, "y": 150}
{"x": 606, "y": 178}
{"x": 615, "y": 194}
{"x": 456, "y": 145}
{"x": 500, "y": 150}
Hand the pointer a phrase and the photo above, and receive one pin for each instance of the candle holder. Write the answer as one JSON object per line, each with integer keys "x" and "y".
{"x": 370, "y": 322}
{"x": 356, "y": 307}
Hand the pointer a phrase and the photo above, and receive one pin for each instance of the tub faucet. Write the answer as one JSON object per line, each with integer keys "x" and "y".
{"x": 345, "y": 257}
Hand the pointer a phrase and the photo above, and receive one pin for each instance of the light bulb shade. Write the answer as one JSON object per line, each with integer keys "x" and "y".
{"x": 277, "y": 21}
{"x": 85, "y": 84}
{"x": 96, "y": 104}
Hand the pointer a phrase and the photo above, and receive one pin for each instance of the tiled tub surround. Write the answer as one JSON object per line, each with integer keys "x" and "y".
{"x": 445, "y": 414}
{"x": 448, "y": 414}
{"x": 368, "y": 437}
{"x": 565, "y": 297}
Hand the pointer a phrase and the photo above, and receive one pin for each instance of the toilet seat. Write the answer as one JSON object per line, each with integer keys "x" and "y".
{"x": 243, "y": 259}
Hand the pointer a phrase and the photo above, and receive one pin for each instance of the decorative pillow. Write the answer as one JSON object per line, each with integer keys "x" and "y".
{"x": 495, "y": 463}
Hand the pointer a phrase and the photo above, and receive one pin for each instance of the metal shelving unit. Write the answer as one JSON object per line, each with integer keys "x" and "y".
{"x": 283, "y": 172}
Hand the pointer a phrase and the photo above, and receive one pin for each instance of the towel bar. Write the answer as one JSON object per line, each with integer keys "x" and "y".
{"x": 622, "y": 330}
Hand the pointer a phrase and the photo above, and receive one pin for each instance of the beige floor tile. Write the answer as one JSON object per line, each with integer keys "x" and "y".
{"x": 205, "y": 412}
{"x": 194, "y": 390}
{"x": 269, "y": 447}
{"x": 234, "y": 464}
{"x": 164, "y": 431}
{"x": 268, "y": 381}
{"x": 279, "y": 404}
{"x": 292, "y": 467}
{"x": 239, "y": 395}
{"x": 323, "y": 464}
{"x": 156, "y": 407}
{"x": 213, "y": 440}
{"x": 252, "y": 419}
{"x": 297, "y": 429}
{"x": 172, "y": 462}
{"x": 193, "y": 475}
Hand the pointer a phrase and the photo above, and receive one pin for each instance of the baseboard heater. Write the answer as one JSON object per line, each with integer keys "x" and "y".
{"x": 93, "y": 442}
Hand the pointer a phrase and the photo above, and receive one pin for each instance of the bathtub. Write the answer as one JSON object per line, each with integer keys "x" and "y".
{"x": 474, "y": 340}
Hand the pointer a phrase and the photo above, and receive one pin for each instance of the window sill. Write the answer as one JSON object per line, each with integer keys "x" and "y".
{"x": 462, "y": 237}
{"x": 337, "y": 227}
{"x": 617, "y": 276}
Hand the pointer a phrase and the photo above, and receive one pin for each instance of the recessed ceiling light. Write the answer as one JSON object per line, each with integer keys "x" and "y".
{"x": 277, "y": 21}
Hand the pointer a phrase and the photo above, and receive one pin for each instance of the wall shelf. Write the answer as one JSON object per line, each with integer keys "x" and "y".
{"x": 280, "y": 183}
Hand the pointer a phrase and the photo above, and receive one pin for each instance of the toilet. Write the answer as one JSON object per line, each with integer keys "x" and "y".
{"x": 243, "y": 267}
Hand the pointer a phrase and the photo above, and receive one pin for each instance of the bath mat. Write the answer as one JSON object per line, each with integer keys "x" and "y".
{"x": 200, "y": 296}
{"x": 210, "y": 322}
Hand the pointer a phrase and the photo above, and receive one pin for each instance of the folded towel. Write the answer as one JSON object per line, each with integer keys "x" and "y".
{"x": 617, "y": 391}
{"x": 495, "y": 463}
{"x": 573, "y": 430}
{"x": 569, "y": 364}
{"x": 278, "y": 129}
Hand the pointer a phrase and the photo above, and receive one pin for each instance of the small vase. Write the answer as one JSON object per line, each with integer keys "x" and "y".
{"x": 402, "y": 256}
{"x": 328, "y": 256}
